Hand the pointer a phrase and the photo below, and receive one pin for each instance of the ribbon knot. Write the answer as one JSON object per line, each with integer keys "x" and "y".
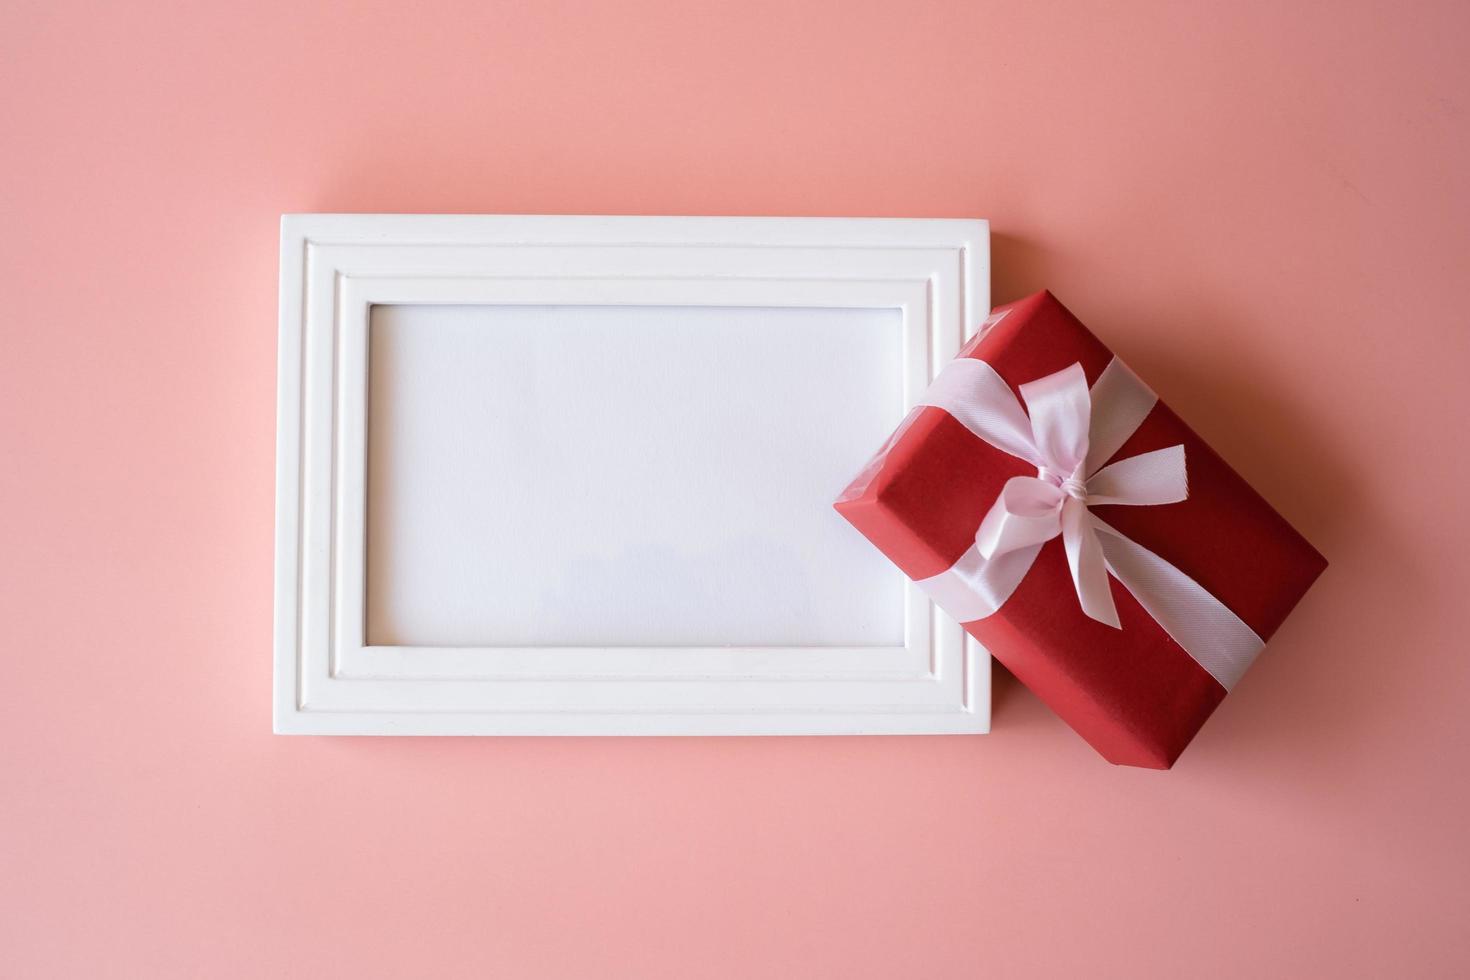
{"x": 1071, "y": 486}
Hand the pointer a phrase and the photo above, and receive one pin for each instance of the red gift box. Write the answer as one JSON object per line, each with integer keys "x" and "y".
{"x": 1133, "y": 692}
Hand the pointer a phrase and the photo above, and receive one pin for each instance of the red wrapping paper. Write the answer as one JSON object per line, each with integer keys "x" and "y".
{"x": 1133, "y": 693}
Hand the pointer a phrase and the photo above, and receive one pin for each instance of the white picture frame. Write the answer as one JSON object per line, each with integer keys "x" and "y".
{"x": 336, "y": 268}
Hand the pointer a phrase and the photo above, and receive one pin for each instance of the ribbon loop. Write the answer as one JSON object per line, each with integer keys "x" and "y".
{"x": 1027, "y": 512}
{"x": 1060, "y": 408}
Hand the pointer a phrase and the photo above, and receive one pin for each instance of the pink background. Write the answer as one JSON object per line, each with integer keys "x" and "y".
{"x": 1263, "y": 207}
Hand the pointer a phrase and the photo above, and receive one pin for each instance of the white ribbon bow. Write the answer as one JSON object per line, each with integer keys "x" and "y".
{"x": 1031, "y": 510}
{"x": 1069, "y": 433}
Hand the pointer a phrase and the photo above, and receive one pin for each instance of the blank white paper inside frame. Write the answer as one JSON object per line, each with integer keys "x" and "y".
{"x": 626, "y": 476}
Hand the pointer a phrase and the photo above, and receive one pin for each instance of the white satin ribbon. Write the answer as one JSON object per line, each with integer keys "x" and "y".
{"x": 1067, "y": 432}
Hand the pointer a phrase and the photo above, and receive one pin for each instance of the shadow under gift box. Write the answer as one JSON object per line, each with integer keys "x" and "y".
{"x": 1134, "y": 693}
